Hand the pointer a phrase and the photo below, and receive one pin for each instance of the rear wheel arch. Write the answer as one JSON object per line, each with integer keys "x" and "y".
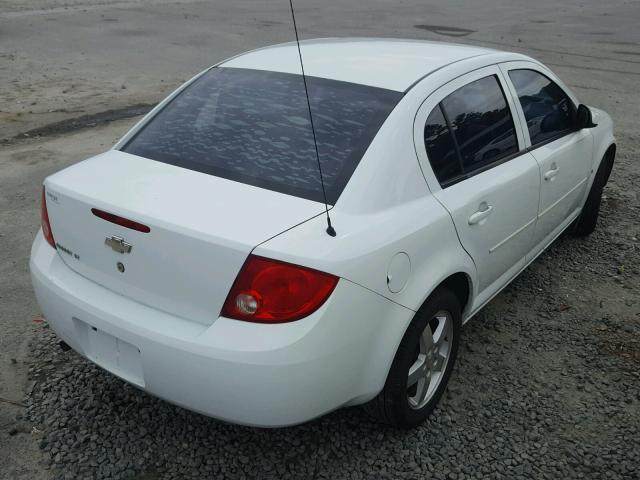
{"x": 460, "y": 285}
{"x": 390, "y": 405}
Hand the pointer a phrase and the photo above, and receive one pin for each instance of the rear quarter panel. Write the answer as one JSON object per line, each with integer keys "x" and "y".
{"x": 366, "y": 243}
{"x": 385, "y": 209}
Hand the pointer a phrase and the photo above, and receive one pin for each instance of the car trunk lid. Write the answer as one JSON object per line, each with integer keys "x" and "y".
{"x": 201, "y": 229}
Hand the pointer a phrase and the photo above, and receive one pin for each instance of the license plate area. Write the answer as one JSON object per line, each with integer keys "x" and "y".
{"x": 111, "y": 353}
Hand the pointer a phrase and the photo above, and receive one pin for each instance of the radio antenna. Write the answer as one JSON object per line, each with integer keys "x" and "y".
{"x": 330, "y": 230}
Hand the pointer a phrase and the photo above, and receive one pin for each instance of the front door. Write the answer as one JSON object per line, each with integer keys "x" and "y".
{"x": 562, "y": 152}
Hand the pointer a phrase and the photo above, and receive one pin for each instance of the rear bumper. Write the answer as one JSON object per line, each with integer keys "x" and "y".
{"x": 252, "y": 374}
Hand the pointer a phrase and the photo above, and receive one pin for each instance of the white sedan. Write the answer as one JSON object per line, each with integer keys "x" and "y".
{"x": 193, "y": 260}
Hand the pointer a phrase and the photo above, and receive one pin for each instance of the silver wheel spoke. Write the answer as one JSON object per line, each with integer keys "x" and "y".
{"x": 426, "y": 340}
{"x": 423, "y": 390}
{"x": 417, "y": 370}
{"x": 441, "y": 330}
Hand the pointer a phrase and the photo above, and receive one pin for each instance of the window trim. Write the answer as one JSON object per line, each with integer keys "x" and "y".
{"x": 505, "y": 68}
{"x": 561, "y": 134}
{"x": 498, "y": 160}
{"x": 483, "y": 169}
{"x": 429, "y": 97}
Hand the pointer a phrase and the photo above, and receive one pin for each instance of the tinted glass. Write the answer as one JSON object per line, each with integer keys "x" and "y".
{"x": 481, "y": 122}
{"x": 440, "y": 147}
{"x": 547, "y": 109}
{"x": 253, "y": 127}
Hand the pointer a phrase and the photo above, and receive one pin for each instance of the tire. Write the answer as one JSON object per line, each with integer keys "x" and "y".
{"x": 586, "y": 222}
{"x": 399, "y": 404}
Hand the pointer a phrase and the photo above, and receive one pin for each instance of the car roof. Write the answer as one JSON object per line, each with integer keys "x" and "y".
{"x": 393, "y": 64}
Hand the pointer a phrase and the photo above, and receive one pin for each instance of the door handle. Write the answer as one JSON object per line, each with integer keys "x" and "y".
{"x": 549, "y": 174}
{"x": 484, "y": 211}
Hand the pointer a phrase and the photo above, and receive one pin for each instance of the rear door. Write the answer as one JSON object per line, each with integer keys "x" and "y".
{"x": 473, "y": 156}
{"x": 562, "y": 152}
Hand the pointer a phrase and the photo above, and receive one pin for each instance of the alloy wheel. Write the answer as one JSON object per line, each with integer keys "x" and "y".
{"x": 433, "y": 352}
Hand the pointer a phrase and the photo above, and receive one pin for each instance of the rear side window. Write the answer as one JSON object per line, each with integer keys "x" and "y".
{"x": 547, "y": 108}
{"x": 481, "y": 122}
{"x": 253, "y": 127}
{"x": 478, "y": 130}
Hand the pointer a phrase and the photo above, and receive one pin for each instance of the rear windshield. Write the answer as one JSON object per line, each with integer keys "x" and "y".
{"x": 253, "y": 126}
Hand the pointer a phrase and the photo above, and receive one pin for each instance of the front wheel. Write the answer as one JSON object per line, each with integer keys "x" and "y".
{"x": 422, "y": 365}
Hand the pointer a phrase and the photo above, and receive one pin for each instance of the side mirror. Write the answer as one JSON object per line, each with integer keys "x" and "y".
{"x": 584, "y": 118}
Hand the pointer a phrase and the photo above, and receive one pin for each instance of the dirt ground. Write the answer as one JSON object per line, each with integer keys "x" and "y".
{"x": 74, "y": 75}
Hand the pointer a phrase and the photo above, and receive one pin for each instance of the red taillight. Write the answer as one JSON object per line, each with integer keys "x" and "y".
{"x": 44, "y": 221}
{"x": 270, "y": 291}
{"x": 118, "y": 220}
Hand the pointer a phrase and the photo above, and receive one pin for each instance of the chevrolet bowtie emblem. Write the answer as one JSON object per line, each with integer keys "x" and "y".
{"x": 118, "y": 244}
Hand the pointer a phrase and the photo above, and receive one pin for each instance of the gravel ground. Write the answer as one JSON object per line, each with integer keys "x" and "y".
{"x": 546, "y": 386}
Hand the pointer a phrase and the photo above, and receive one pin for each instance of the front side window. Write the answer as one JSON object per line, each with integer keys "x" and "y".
{"x": 469, "y": 130}
{"x": 547, "y": 108}
{"x": 253, "y": 127}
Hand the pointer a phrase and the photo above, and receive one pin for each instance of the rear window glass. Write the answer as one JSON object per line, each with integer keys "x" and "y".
{"x": 253, "y": 127}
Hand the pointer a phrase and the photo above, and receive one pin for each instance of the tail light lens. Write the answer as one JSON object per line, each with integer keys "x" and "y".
{"x": 270, "y": 291}
{"x": 44, "y": 220}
